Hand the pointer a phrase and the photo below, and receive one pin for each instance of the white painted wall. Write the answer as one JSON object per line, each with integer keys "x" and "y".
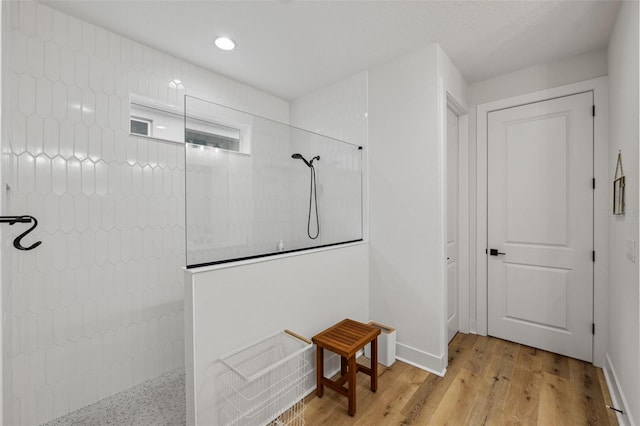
{"x": 338, "y": 110}
{"x": 624, "y": 300}
{"x": 407, "y": 173}
{"x": 232, "y": 306}
{"x": 541, "y": 77}
{"x": 453, "y": 82}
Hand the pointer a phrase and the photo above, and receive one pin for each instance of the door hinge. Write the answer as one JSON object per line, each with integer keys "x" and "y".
{"x": 594, "y": 183}
{"x": 593, "y": 255}
{"x": 593, "y": 328}
{"x": 593, "y": 111}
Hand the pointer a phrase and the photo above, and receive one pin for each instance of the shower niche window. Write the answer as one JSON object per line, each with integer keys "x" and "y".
{"x": 226, "y": 138}
{"x": 160, "y": 120}
{"x": 141, "y": 126}
{"x": 156, "y": 119}
{"x": 297, "y": 190}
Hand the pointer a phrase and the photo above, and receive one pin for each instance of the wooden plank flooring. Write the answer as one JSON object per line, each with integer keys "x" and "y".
{"x": 488, "y": 382}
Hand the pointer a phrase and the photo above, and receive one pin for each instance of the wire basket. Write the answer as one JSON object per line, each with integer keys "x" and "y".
{"x": 263, "y": 383}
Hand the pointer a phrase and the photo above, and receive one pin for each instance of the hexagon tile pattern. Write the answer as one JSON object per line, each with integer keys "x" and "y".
{"x": 98, "y": 307}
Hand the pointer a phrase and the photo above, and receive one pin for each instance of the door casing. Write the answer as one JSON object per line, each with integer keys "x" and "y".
{"x": 599, "y": 86}
{"x": 463, "y": 212}
{"x": 453, "y": 321}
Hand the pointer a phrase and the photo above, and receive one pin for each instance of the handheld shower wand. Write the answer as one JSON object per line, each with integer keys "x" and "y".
{"x": 297, "y": 156}
{"x": 313, "y": 193}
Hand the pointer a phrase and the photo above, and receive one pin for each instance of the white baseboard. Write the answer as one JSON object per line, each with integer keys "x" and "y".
{"x": 422, "y": 360}
{"x": 617, "y": 396}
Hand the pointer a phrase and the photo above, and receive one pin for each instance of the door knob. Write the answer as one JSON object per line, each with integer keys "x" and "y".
{"x": 495, "y": 252}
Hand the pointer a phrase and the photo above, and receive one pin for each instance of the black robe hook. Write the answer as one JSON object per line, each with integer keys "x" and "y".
{"x": 17, "y": 243}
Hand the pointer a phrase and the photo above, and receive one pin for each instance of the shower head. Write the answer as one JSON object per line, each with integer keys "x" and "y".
{"x": 297, "y": 156}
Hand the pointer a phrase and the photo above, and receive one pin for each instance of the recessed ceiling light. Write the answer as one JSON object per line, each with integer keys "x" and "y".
{"x": 225, "y": 43}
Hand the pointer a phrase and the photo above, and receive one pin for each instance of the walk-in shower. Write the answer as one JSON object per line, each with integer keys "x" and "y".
{"x": 253, "y": 200}
{"x": 313, "y": 193}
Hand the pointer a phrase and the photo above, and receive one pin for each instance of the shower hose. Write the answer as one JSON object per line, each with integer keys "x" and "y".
{"x": 313, "y": 196}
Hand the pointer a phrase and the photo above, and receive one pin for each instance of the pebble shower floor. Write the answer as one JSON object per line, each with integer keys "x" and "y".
{"x": 158, "y": 401}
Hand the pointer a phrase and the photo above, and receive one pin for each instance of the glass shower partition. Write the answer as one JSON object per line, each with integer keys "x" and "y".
{"x": 249, "y": 195}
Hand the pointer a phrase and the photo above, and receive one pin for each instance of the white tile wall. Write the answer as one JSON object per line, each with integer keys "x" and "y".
{"x": 97, "y": 308}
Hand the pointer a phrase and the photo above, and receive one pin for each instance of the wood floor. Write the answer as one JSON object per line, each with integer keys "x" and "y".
{"x": 488, "y": 382}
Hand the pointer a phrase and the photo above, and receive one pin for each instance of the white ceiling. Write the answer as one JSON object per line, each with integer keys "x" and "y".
{"x": 289, "y": 48}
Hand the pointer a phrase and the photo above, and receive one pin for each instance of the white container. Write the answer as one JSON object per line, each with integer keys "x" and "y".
{"x": 386, "y": 344}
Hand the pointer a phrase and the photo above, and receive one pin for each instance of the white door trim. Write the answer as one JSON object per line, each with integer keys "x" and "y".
{"x": 463, "y": 211}
{"x": 3, "y": 28}
{"x": 599, "y": 86}
{"x": 447, "y": 99}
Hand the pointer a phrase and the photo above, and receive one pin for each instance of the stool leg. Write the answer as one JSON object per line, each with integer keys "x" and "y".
{"x": 319, "y": 371}
{"x": 352, "y": 370}
{"x": 343, "y": 366}
{"x": 374, "y": 364}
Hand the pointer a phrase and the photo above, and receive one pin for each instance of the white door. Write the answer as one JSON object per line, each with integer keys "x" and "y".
{"x": 540, "y": 222}
{"x": 452, "y": 223}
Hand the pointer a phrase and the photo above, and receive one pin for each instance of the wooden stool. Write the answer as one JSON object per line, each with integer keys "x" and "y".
{"x": 345, "y": 339}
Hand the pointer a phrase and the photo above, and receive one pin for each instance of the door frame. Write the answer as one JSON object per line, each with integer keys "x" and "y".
{"x": 599, "y": 86}
{"x": 3, "y": 28}
{"x": 463, "y": 212}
